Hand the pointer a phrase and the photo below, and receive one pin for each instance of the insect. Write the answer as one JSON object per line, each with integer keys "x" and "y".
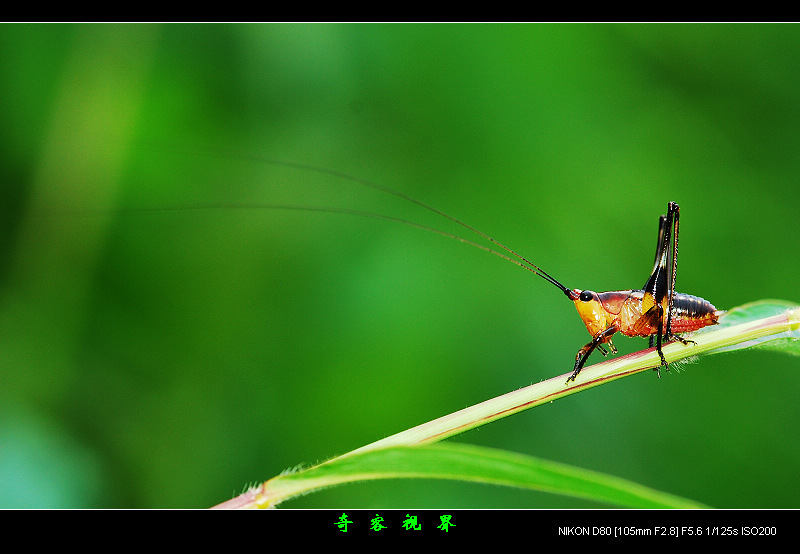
{"x": 656, "y": 311}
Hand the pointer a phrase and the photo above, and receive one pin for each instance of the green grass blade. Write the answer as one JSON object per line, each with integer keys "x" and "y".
{"x": 465, "y": 463}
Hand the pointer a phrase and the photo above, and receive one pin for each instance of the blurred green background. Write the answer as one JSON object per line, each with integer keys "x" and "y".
{"x": 169, "y": 358}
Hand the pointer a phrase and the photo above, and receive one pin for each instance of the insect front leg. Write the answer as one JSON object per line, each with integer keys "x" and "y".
{"x": 583, "y": 353}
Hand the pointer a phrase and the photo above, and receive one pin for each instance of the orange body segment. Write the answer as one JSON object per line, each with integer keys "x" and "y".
{"x": 624, "y": 310}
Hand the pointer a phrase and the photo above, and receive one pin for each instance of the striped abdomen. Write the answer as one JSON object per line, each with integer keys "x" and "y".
{"x": 690, "y": 313}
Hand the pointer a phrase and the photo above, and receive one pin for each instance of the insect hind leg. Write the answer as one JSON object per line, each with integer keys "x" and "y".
{"x": 680, "y": 339}
{"x": 660, "y": 287}
{"x": 667, "y": 338}
{"x": 664, "y": 363}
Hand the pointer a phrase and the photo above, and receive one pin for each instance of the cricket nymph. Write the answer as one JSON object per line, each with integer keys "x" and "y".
{"x": 623, "y": 310}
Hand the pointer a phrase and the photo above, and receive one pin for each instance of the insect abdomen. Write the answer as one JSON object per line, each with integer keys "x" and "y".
{"x": 690, "y": 313}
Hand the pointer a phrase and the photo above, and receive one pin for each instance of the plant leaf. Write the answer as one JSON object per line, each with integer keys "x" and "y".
{"x": 787, "y": 341}
{"x": 465, "y": 463}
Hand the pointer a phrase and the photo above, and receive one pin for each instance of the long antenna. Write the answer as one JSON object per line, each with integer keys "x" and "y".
{"x": 524, "y": 262}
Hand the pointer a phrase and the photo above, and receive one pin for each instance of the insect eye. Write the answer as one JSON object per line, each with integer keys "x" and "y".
{"x": 586, "y": 296}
